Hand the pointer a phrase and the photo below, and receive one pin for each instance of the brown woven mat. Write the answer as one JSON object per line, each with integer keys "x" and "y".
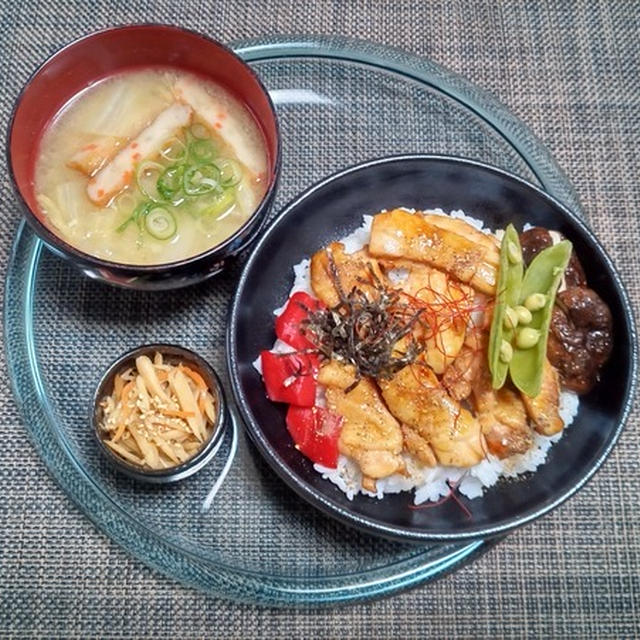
{"x": 570, "y": 70}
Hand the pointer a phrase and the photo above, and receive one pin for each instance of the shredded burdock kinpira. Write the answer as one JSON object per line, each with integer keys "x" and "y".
{"x": 158, "y": 415}
{"x": 373, "y": 331}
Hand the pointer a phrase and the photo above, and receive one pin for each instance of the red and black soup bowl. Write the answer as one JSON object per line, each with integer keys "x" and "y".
{"x": 105, "y": 53}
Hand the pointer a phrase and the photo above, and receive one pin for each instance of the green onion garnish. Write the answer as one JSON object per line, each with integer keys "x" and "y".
{"x": 201, "y": 179}
{"x": 147, "y": 177}
{"x": 160, "y": 223}
{"x": 230, "y": 172}
{"x": 201, "y": 151}
{"x": 170, "y": 182}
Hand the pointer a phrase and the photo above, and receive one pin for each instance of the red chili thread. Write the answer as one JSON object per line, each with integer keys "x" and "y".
{"x": 451, "y": 495}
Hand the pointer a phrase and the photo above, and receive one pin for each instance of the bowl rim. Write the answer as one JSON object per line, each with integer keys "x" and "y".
{"x": 321, "y": 501}
{"x": 190, "y": 466}
{"x": 58, "y": 243}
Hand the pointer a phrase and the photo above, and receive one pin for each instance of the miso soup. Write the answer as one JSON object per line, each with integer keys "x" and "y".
{"x": 150, "y": 166}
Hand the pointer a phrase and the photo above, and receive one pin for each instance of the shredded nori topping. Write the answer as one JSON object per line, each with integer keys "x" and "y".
{"x": 364, "y": 329}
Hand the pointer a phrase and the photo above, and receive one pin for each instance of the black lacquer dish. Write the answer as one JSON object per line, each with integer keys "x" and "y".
{"x": 332, "y": 209}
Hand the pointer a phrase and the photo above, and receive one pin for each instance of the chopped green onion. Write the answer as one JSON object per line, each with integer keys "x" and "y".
{"x": 124, "y": 225}
{"x": 170, "y": 182}
{"x": 125, "y": 201}
{"x": 200, "y": 179}
{"x": 230, "y": 172}
{"x": 202, "y": 151}
{"x": 137, "y": 216}
{"x": 147, "y": 177}
{"x": 141, "y": 211}
{"x": 160, "y": 223}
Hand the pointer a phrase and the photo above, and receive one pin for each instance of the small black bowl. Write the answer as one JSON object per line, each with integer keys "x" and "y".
{"x": 332, "y": 209}
{"x": 104, "y": 53}
{"x": 172, "y": 354}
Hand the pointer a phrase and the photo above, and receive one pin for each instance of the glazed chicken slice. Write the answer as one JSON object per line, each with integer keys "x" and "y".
{"x": 399, "y": 234}
{"x": 370, "y": 434}
{"x": 418, "y": 447}
{"x": 461, "y": 375}
{"x": 488, "y": 242}
{"x": 352, "y": 270}
{"x": 415, "y": 397}
{"x": 543, "y": 409}
{"x": 503, "y": 419}
{"x": 447, "y": 306}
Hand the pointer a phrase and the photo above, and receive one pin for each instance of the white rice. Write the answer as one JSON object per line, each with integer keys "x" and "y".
{"x": 430, "y": 483}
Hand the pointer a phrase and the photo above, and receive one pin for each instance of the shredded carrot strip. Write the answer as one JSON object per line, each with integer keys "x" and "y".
{"x": 196, "y": 377}
{"x": 174, "y": 413}
{"x": 125, "y": 393}
{"x": 201, "y": 403}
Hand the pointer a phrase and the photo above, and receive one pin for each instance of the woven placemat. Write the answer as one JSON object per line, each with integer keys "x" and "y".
{"x": 570, "y": 71}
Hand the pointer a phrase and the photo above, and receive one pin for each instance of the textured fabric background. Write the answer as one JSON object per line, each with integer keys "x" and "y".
{"x": 570, "y": 71}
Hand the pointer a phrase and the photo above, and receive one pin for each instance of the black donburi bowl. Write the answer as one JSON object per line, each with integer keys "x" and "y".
{"x": 334, "y": 208}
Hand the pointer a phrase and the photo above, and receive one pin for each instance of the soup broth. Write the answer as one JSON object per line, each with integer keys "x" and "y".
{"x": 149, "y": 167}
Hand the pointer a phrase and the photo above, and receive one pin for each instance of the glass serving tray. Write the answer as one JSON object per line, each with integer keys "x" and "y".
{"x": 339, "y": 102}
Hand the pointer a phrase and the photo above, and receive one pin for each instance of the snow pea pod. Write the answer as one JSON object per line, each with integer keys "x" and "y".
{"x": 507, "y": 295}
{"x": 543, "y": 276}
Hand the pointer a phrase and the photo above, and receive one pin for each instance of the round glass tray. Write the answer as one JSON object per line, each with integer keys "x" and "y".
{"x": 339, "y": 102}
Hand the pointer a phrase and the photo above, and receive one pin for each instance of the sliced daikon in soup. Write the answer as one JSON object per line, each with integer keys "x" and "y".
{"x": 150, "y": 166}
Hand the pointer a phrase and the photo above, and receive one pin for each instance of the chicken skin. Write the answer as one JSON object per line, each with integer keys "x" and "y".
{"x": 543, "y": 409}
{"x": 352, "y": 270}
{"x": 370, "y": 434}
{"x": 415, "y": 397}
{"x": 502, "y": 417}
{"x": 400, "y": 234}
{"x": 446, "y": 305}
